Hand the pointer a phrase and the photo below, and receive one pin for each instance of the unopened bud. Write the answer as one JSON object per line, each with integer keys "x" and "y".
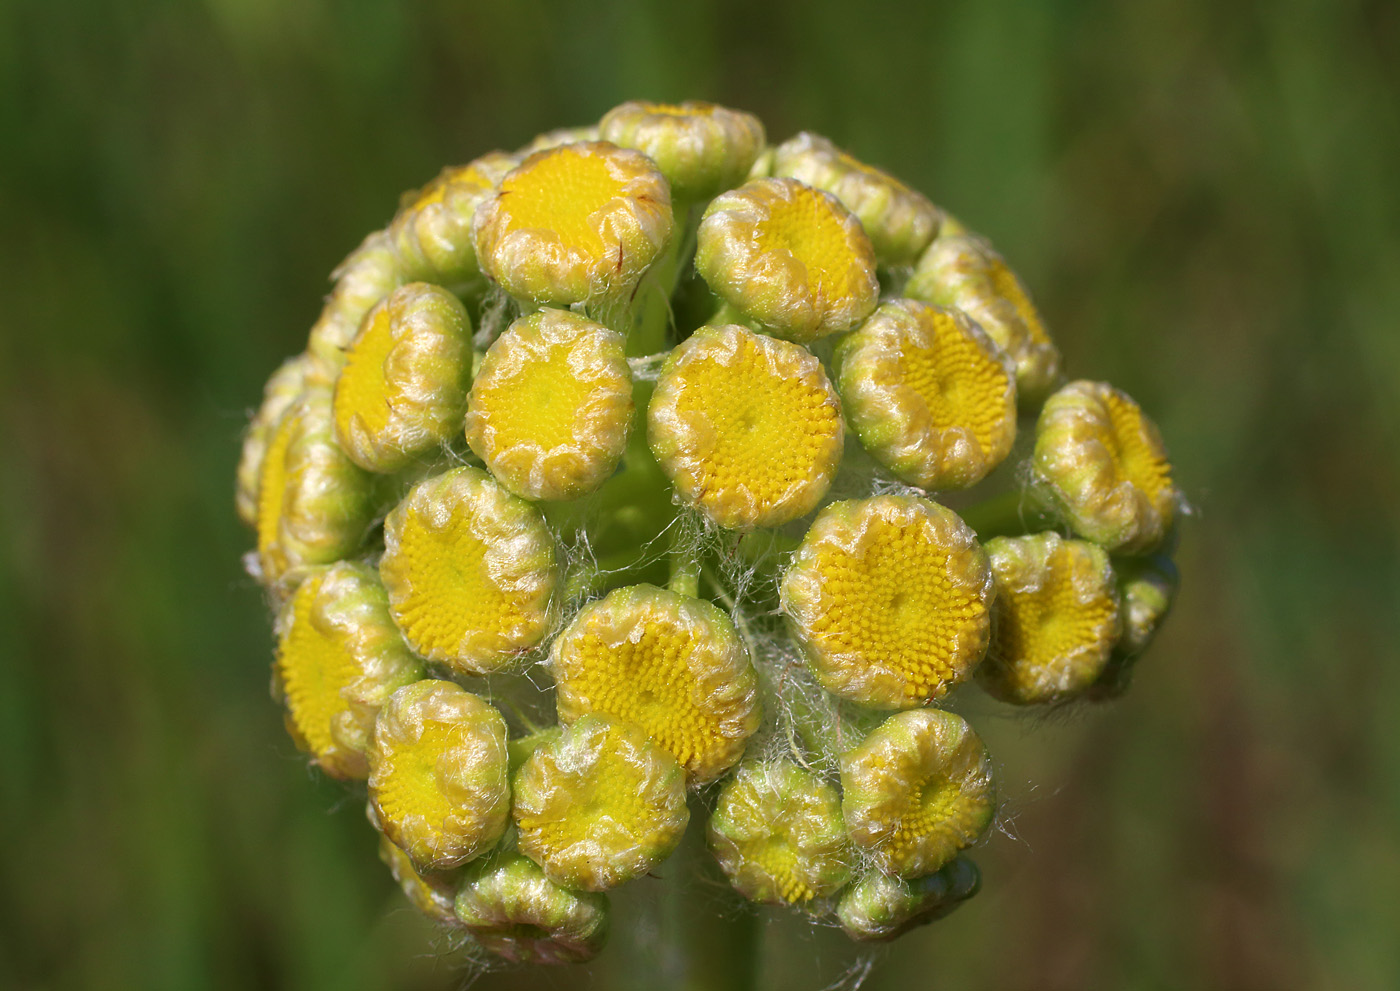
{"x": 879, "y": 907}
{"x": 701, "y": 148}
{"x": 437, "y": 780}
{"x": 432, "y": 232}
{"x": 367, "y": 275}
{"x": 788, "y": 257}
{"x": 282, "y": 389}
{"x": 430, "y": 892}
{"x": 513, "y": 910}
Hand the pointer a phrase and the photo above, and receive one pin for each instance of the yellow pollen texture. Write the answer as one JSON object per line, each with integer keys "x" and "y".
{"x": 666, "y": 663}
{"x": 561, "y": 192}
{"x": 413, "y": 789}
{"x": 1006, "y": 285}
{"x": 747, "y": 427}
{"x": 361, "y": 391}
{"x": 469, "y": 570}
{"x": 314, "y": 668}
{"x": 1056, "y": 621}
{"x": 1142, "y": 462}
{"x": 891, "y": 597}
{"x": 808, "y": 228}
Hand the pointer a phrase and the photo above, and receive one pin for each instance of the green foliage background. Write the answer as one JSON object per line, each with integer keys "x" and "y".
{"x": 1202, "y": 195}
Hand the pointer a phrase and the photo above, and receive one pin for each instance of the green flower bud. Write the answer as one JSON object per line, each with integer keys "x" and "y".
{"x": 1100, "y": 465}
{"x": 701, "y": 148}
{"x": 314, "y": 504}
{"x": 929, "y": 394}
{"x": 900, "y": 221}
{"x": 916, "y": 791}
{"x": 890, "y": 600}
{"x": 778, "y": 835}
{"x": 282, "y": 389}
{"x": 1146, "y": 587}
{"x": 789, "y": 257}
{"x": 579, "y": 223}
{"x": 671, "y": 664}
{"x": 432, "y": 892}
{"x": 963, "y": 271}
{"x": 1055, "y": 620}
{"x": 513, "y": 910}
{"x": 470, "y": 571}
{"x": 437, "y": 779}
{"x": 371, "y": 272}
{"x": 879, "y": 907}
{"x": 432, "y": 232}
{"x": 339, "y": 658}
{"x": 551, "y": 407}
{"x": 403, "y": 390}
{"x": 599, "y": 805}
{"x": 747, "y": 427}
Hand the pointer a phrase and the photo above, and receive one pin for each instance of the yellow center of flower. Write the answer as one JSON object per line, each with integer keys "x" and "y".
{"x": 273, "y": 484}
{"x": 901, "y": 603}
{"x": 1008, "y": 287}
{"x": 313, "y": 668}
{"x": 779, "y": 859}
{"x": 808, "y": 227}
{"x": 939, "y": 814}
{"x": 362, "y": 390}
{"x": 959, "y": 383}
{"x": 1141, "y": 462}
{"x": 748, "y": 427}
{"x": 560, "y": 192}
{"x": 408, "y": 785}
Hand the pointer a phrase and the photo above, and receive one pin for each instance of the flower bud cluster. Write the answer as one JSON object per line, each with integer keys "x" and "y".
{"x": 628, "y": 412}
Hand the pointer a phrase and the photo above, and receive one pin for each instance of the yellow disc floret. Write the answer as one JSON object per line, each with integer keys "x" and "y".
{"x": 777, "y": 834}
{"x": 551, "y": 406}
{"x": 890, "y": 598}
{"x": 470, "y": 571}
{"x": 900, "y": 221}
{"x": 671, "y": 664}
{"x": 1100, "y": 464}
{"x": 964, "y": 271}
{"x": 339, "y": 657}
{"x": 283, "y": 388}
{"x": 437, "y": 782}
{"x": 513, "y": 910}
{"x": 403, "y": 390}
{"x": 701, "y": 148}
{"x": 917, "y": 790}
{"x": 788, "y": 257}
{"x": 314, "y": 503}
{"x": 1056, "y": 618}
{"x": 747, "y": 427}
{"x": 600, "y": 804}
{"x": 576, "y": 223}
{"x": 432, "y": 232}
{"x": 879, "y": 907}
{"x": 930, "y": 396}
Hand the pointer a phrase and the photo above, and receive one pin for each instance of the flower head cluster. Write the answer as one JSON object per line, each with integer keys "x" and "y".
{"x": 674, "y": 423}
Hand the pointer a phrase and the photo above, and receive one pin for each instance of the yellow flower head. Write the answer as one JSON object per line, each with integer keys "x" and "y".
{"x": 777, "y": 834}
{"x": 1100, "y": 464}
{"x": 788, "y": 257}
{"x": 367, "y": 275}
{"x": 890, "y": 598}
{"x": 701, "y": 148}
{"x": 879, "y": 907}
{"x": 963, "y": 270}
{"x": 900, "y": 221}
{"x": 917, "y": 790}
{"x": 930, "y": 396}
{"x": 403, "y": 390}
{"x": 576, "y": 223}
{"x": 513, "y": 910}
{"x": 339, "y": 657}
{"x": 432, "y": 893}
{"x": 747, "y": 427}
{"x": 551, "y": 407}
{"x": 437, "y": 774}
{"x": 1055, "y": 621}
{"x": 314, "y": 504}
{"x": 470, "y": 571}
{"x": 671, "y": 664}
{"x": 432, "y": 232}
{"x": 283, "y": 388}
{"x": 599, "y": 805}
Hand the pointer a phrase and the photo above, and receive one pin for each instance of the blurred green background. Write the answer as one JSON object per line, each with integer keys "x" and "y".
{"x": 1205, "y": 198}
